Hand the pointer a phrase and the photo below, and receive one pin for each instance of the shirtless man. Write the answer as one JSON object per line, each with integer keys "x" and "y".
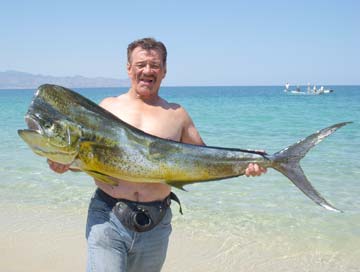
{"x": 113, "y": 246}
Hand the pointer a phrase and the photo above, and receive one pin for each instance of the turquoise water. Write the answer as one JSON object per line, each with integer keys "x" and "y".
{"x": 268, "y": 211}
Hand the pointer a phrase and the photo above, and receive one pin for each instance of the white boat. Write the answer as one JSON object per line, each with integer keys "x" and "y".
{"x": 309, "y": 91}
{"x": 328, "y": 91}
{"x": 296, "y": 92}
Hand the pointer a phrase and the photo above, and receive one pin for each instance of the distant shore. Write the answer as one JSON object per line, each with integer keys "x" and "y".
{"x": 21, "y": 80}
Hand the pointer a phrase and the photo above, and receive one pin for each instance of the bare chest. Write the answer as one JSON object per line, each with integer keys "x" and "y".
{"x": 162, "y": 124}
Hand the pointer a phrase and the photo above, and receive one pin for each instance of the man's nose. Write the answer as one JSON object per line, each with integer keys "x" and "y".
{"x": 147, "y": 68}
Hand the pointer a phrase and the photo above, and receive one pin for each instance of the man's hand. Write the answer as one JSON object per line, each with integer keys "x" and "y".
{"x": 58, "y": 167}
{"x": 254, "y": 170}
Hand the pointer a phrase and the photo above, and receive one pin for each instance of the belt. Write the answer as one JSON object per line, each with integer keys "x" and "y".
{"x": 111, "y": 201}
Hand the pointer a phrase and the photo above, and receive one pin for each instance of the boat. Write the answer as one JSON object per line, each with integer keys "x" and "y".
{"x": 309, "y": 91}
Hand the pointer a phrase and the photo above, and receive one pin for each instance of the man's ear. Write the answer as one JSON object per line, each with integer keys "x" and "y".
{"x": 165, "y": 70}
{"x": 128, "y": 68}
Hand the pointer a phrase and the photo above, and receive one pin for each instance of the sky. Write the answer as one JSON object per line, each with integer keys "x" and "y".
{"x": 224, "y": 42}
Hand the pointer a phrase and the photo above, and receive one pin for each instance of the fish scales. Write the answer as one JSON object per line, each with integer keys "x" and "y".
{"x": 68, "y": 128}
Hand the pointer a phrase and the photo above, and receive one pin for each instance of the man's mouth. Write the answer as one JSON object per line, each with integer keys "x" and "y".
{"x": 147, "y": 81}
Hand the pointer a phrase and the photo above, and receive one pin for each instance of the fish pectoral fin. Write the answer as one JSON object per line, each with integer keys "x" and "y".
{"x": 101, "y": 177}
{"x": 177, "y": 184}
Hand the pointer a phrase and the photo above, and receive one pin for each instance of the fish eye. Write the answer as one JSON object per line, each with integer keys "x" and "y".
{"x": 47, "y": 125}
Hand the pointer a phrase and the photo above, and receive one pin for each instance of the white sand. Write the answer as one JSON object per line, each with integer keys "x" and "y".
{"x": 45, "y": 240}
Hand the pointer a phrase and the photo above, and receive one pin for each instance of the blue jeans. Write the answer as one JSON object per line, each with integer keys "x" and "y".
{"x": 113, "y": 248}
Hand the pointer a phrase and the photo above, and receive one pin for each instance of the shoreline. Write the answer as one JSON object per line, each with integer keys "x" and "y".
{"x": 53, "y": 240}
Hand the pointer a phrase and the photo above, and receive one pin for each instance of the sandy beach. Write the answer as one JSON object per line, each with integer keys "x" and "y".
{"x": 50, "y": 240}
{"x": 41, "y": 239}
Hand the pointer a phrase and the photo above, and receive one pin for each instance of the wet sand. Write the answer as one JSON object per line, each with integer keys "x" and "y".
{"x": 47, "y": 240}
{"x": 41, "y": 240}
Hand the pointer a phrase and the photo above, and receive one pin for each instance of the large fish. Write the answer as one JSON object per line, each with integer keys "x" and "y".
{"x": 68, "y": 128}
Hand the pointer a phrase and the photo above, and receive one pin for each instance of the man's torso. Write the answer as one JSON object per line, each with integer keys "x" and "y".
{"x": 163, "y": 120}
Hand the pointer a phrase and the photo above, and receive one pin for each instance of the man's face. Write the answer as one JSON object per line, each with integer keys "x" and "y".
{"x": 146, "y": 71}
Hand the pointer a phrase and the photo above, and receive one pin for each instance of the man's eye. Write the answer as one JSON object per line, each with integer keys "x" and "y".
{"x": 155, "y": 66}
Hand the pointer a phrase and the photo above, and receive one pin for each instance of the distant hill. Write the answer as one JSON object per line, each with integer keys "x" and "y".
{"x": 21, "y": 80}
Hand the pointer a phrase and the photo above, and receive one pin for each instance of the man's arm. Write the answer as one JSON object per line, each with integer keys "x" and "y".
{"x": 189, "y": 134}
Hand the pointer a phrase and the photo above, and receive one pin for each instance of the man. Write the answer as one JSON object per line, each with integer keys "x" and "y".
{"x": 117, "y": 234}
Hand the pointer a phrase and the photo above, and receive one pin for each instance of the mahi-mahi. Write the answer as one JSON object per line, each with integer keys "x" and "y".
{"x": 68, "y": 128}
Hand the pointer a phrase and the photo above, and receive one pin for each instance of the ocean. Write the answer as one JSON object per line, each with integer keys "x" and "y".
{"x": 257, "y": 223}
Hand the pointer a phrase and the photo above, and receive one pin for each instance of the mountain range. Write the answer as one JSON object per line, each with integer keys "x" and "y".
{"x": 22, "y": 80}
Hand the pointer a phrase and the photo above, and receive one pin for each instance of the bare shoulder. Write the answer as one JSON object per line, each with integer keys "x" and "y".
{"x": 112, "y": 101}
{"x": 175, "y": 107}
{"x": 189, "y": 132}
{"x": 107, "y": 101}
{"x": 184, "y": 115}
{"x": 179, "y": 111}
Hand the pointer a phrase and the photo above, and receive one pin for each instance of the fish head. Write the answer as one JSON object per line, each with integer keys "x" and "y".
{"x": 51, "y": 135}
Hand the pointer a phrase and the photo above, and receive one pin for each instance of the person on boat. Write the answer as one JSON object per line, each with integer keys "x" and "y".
{"x": 287, "y": 86}
{"x": 314, "y": 89}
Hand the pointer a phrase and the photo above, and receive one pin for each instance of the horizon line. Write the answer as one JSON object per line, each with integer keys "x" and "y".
{"x": 175, "y": 86}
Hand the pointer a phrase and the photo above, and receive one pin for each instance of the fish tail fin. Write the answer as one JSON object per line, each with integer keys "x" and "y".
{"x": 287, "y": 161}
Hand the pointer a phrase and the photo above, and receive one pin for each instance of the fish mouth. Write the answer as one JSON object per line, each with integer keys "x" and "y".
{"x": 33, "y": 124}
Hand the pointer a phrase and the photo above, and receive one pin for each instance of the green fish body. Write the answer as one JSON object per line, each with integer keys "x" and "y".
{"x": 70, "y": 129}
